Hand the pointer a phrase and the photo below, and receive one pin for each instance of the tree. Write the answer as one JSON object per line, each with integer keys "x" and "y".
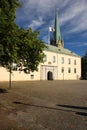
{"x": 8, "y": 33}
{"x": 84, "y": 66}
{"x": 30, "y": 49}
{"x": 17, "y": 45}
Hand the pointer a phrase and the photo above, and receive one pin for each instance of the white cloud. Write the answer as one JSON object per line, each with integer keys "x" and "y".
{"x": 72, "y": 14}
{"x": 76, "y": 16}
{"x": 73, "y": 10}
{"x": 82, "y": 44}
{"x": 36, "y": 23}
{"x": 79, "y": 24}
{"x": 72, "y": 19}
{"x": 77, "y": 44}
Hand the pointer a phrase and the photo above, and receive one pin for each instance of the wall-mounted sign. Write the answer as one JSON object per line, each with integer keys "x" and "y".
{"x": 49, "y": 62}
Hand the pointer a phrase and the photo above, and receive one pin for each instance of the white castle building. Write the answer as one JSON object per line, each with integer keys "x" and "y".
{"x": 59, "y": 63}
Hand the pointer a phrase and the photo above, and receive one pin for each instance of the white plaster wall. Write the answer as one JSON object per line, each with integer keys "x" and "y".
{"x": 4, "y": 75}
{"x": 48, "y": 66}
{"x": 18, "y": 75}
{"x": 50, "y": 58}
{"x": 66, "y": 75}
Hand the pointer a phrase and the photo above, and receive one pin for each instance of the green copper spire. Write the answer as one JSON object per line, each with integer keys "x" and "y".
{"x": 55, "y": 38}
{"x": 57, "y": 29}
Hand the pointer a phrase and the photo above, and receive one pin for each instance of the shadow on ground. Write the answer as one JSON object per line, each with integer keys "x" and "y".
{"x": 73, "y": 107}
{"x": 60, "y": 107}
{"x": 3, "y": 90}
{"x": 81, "y": 113}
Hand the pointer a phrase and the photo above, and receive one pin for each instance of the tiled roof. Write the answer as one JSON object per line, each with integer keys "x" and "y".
{"x": 60, "y": 50}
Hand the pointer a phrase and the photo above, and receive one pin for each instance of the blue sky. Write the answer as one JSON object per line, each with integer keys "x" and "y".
{"x": 39, "y": 15}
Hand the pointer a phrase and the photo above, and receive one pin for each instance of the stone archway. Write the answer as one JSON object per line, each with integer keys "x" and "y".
{"x": 49, "y": 75}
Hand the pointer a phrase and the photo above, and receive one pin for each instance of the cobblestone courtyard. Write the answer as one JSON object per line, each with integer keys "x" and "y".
{"x": 44, "y": 105}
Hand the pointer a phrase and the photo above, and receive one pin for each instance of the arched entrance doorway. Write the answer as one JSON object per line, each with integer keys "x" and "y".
{"x": 49, "y": 75}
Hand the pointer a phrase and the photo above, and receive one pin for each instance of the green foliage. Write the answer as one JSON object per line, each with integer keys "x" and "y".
{"x": 30, "y": 49}
{"x": 84, "y": 66}
{"x": 17, "y": 44}
{"x": 8, "y": 32}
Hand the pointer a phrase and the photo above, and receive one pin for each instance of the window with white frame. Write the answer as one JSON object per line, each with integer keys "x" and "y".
{"x": 62, "y": 70}
{"x": 74, "y": 70}
{"x": 32, "y": 76}
{"x": 62, "y": 60}
{"x": 14, "y": 66}
{"x": 54, "y": 59}
{"x": 74, "y": 62}
{"x": 45, "y": 58}
{"x": 69, "y": 70}
{"x": 69, "y": 61}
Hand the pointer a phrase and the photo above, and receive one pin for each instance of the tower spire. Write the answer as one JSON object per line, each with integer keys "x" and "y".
{"x": 57, "y": 34}
{"x": 57, "y": 29}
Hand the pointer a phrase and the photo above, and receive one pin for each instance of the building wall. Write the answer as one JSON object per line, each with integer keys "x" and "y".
{"x": 19, "y": 75}
{"x": 49, "y": 59}
{"x": 46, "y": 69}
{"x": 4, "y": 75}
{"x": 50, "y": 65}
{"x": 53, "y": 62}
{"x": 72, "y": 70}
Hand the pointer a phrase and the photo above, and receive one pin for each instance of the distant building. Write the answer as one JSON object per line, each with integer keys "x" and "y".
{"x": 59, "y": 63}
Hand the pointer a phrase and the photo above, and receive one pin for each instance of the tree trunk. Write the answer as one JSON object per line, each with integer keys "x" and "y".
{"x": 10, "y": 77}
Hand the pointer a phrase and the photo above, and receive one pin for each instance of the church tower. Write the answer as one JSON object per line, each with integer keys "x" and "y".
{"x": 56, "y": 38}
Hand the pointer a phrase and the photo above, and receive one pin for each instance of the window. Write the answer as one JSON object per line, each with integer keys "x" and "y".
{"x": 62, "y": 60}
{"x": 69, "y": 61}
{"x": 74, "y": 70}
{"x": 74, "y": 62}
{"x": 45, "y": 58}
{"x": 62, "y": 70}
{"x": 32, "y": 76}
{"x": 69, "y": 70}
{"x": 14, "y": 66}
{"x": 54, "y": 59}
